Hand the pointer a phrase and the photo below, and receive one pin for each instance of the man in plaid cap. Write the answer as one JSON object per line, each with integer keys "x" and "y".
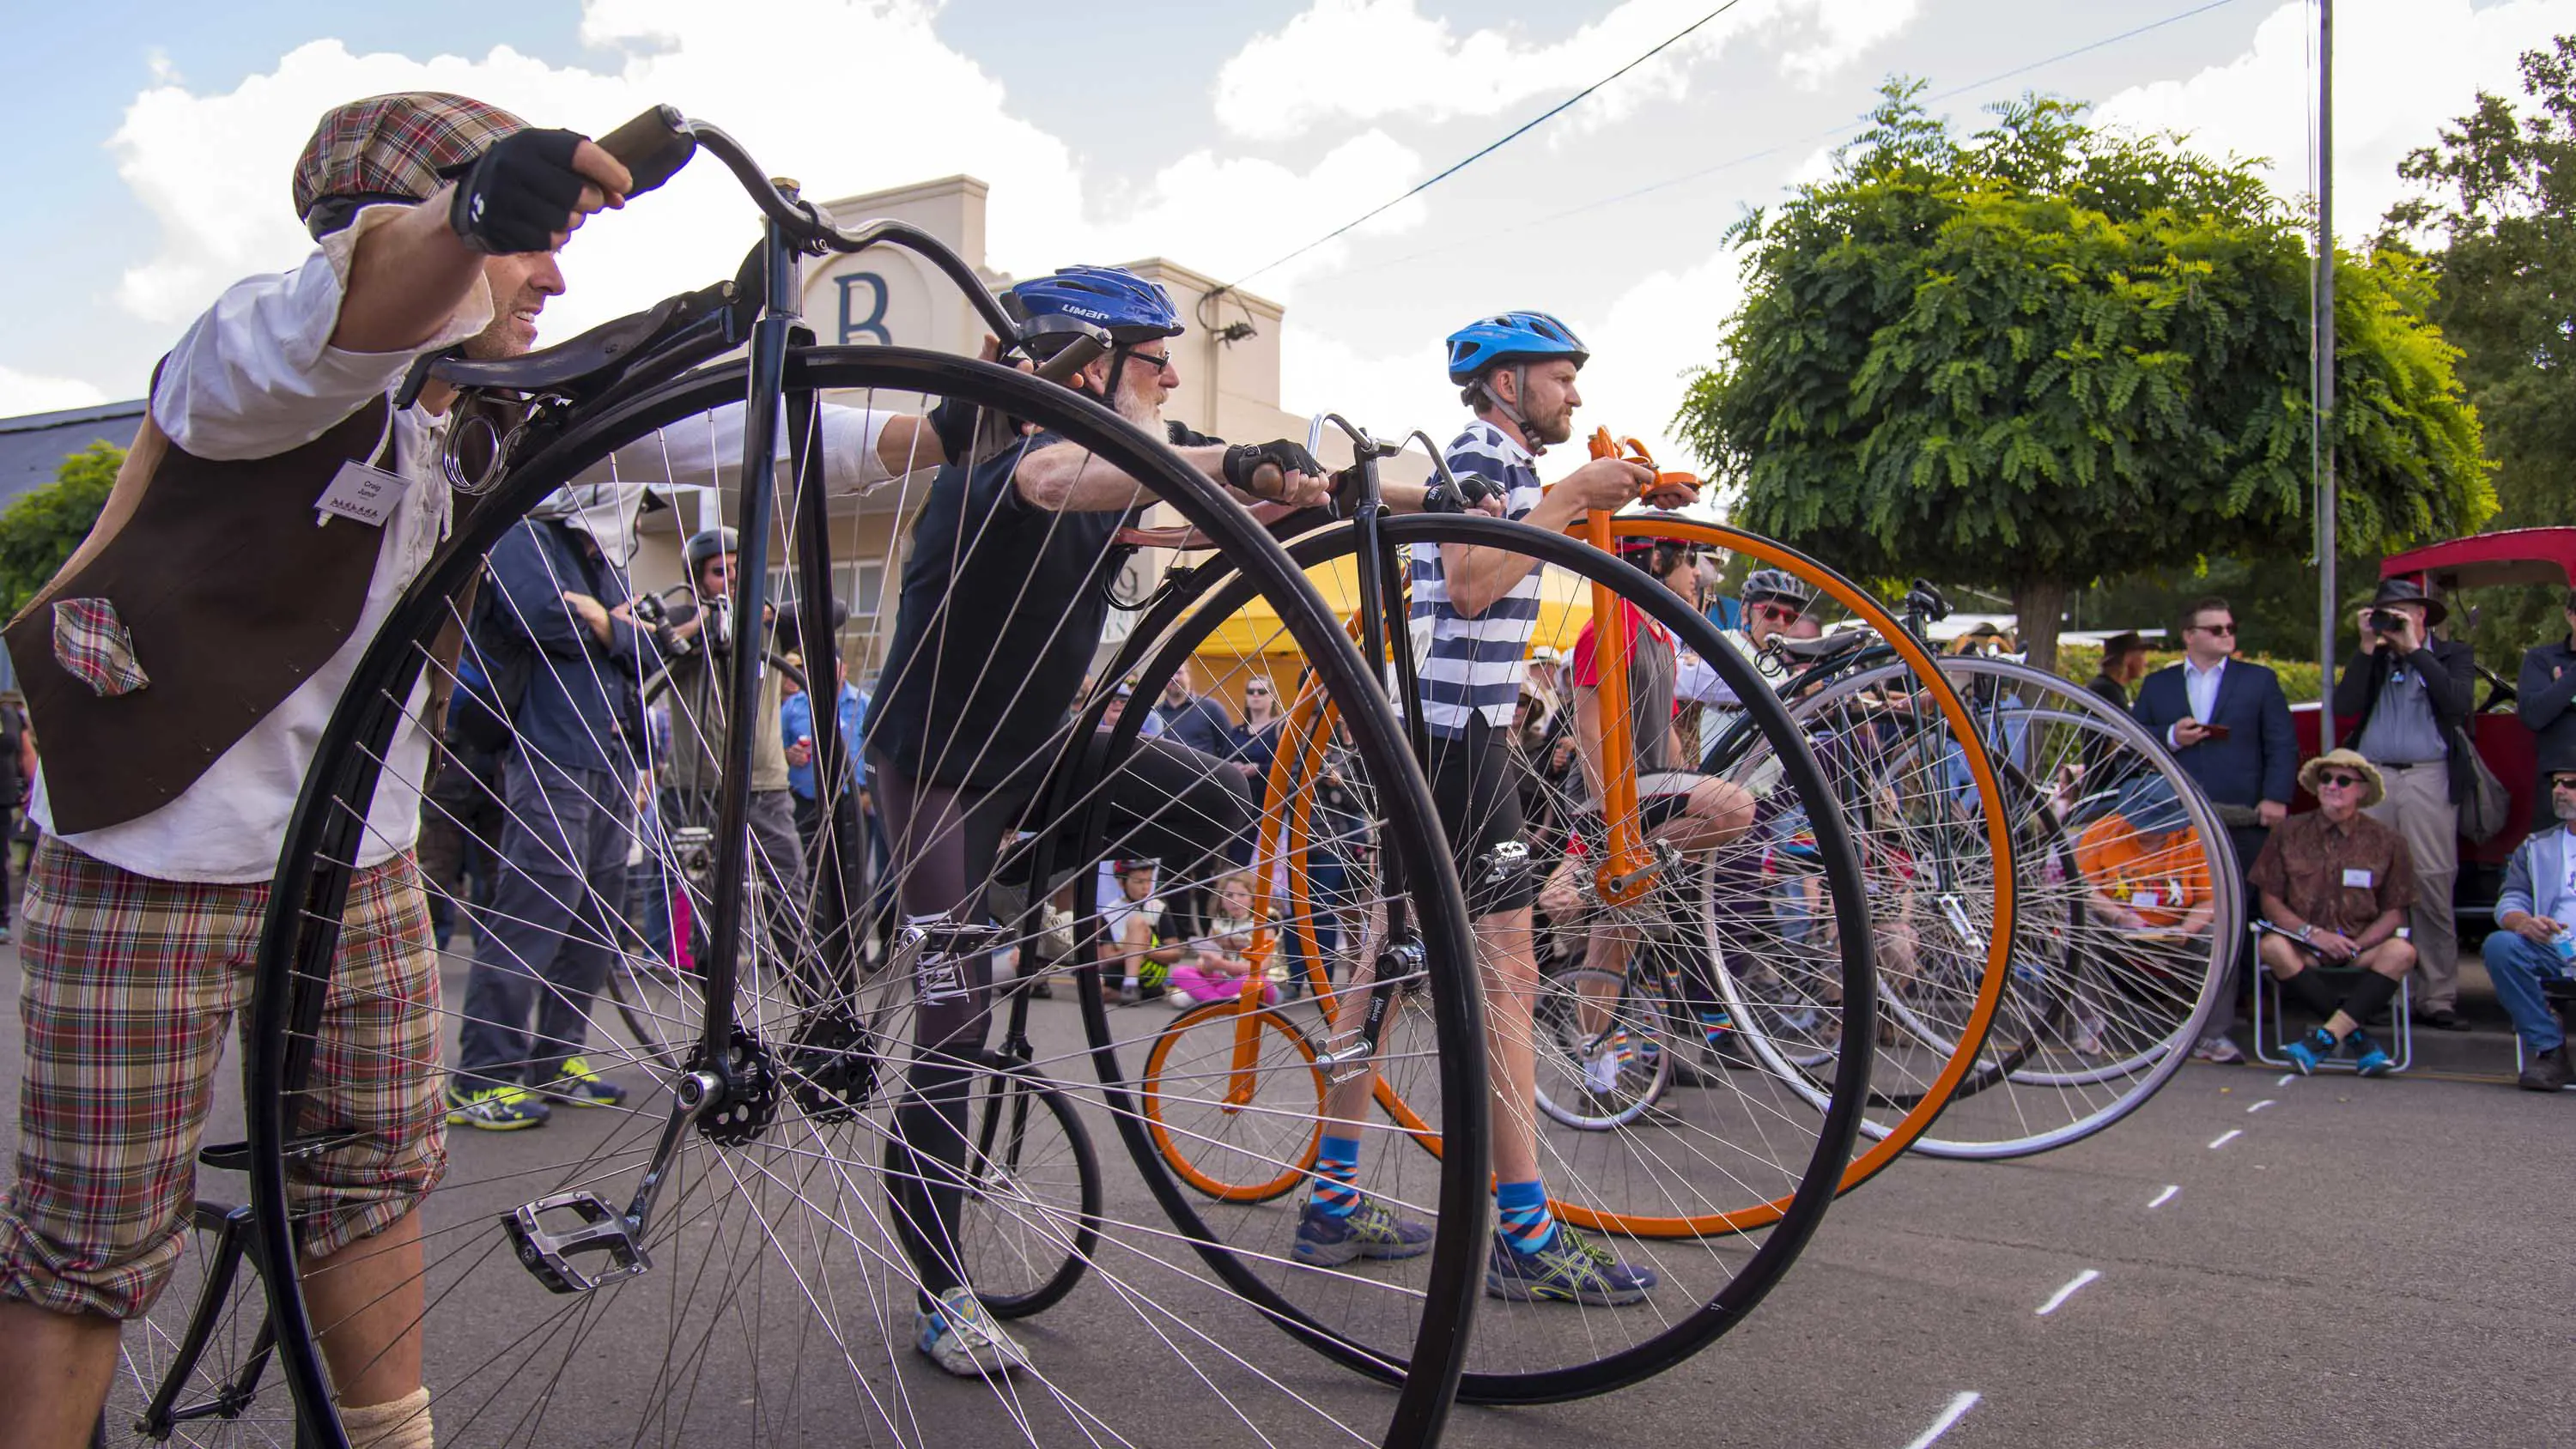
{"x": 180, "y": 702}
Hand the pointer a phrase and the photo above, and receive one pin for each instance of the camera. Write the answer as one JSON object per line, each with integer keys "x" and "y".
{"x": 2387, "y": 621}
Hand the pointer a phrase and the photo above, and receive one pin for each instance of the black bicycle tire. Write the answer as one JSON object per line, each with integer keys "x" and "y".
{"x": 1214, "y": 594}
{"x": 1086, "y": 1235}
{"x": 299, "y": 931}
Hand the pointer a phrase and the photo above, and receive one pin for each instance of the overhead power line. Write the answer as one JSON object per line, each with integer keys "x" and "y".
{"x": 1795, "y": 143}
{"x": 1489, "y": 149}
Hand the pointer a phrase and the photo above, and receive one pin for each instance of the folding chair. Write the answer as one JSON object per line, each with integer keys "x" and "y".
{"x": 2268, "y": 1042}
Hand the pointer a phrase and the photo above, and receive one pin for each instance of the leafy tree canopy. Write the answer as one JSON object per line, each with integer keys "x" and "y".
{"x": 2495, "y": 205}
{"x": 40, "y": 530}
{"x": 2050, "y": 352}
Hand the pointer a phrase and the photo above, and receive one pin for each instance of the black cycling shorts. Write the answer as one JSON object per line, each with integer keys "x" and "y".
{"x": 1475, "y": 785}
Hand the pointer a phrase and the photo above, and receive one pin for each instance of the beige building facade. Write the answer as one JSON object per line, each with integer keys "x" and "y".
{"x": 1228, "y": 363}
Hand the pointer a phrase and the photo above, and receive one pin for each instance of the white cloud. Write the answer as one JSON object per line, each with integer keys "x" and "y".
{"x": 25, "y": 392}
{"x": 214, "y": 168}
{"x": 2403, "y": 68}
{"x": 1368, "y": 60}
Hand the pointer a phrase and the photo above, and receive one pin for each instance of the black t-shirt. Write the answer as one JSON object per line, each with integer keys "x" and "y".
{"x": 1002, "y": 610}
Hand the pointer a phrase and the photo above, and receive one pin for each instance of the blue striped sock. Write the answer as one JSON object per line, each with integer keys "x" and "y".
{"x": 1716, "y": 1025}
{"x": 1337, "y": 1176}
{"x": 1522, "y": 1215}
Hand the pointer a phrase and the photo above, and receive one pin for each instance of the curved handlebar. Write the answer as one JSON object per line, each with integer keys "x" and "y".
{"x": 655, "y": 145}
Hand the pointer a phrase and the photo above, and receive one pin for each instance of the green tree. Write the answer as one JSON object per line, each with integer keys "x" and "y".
{"x": 40, "y": 530}
{"x": 2051, "y": 353}
{"x": 2497, "y": 192}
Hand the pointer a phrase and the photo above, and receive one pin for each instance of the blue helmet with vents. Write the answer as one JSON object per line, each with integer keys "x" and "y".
{"x": 1126, "y": 306}
{"x": 1489, "y": 342}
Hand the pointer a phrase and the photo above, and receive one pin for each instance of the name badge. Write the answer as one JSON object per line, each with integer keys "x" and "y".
{"x": 358, "y": 491}
{"x": 2361, "y": 879}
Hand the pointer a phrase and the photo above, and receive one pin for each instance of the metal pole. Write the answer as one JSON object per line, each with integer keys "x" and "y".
{"x": 2327, "y": 606}
{"x": 2323, "y": 384}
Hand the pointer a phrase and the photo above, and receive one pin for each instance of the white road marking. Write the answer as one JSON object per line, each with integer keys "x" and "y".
{"x": 2259, "y": 1106}
{"x": 2286, "y": 1079}
{"x": 2058, "y": 1298}
{"x": 1950, "y": 1416}
{"x": 2230, "y": 1135}
{"x": 2165, "y": 1196}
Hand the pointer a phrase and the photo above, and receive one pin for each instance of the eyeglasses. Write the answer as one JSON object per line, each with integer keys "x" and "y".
{"x": 1157, "y": 360}
{"x": 2340, "y": 782}
{"x": 2563, "y": 782}
{"x": 2227, "y": 629}
{"x": 1776, "y": 613}
{"x": 1261, "y": 689}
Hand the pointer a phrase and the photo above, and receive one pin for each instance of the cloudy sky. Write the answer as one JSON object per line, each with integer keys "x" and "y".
{"x": 156, "y": 140}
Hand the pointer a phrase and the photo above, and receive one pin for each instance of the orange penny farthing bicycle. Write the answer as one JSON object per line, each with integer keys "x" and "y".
{"x": 1718, "y": 1183}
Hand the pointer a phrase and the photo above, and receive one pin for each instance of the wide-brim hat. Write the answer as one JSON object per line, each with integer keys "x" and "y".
{"x": 2374, "y": 788}
{"x": 2407, "y": 591}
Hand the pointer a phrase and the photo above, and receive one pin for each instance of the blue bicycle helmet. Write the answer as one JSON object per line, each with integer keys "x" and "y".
{"x": 1489, "y": 342}
{"x": 1127, "y": 306}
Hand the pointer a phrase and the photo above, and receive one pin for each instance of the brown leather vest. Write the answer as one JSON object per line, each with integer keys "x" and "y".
{"x": 232, "y": 597}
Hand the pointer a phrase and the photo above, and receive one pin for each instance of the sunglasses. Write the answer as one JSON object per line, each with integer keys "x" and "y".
{"x": 1257, "y": 689}
{"x": 2340, "y": 782}
{"x": 2563, "y": 782}
{"x": 2227, "y": 629}
{"x": 1777, "y": 613}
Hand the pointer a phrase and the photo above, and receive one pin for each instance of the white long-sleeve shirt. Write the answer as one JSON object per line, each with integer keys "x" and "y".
{"x": 257, "y": 376}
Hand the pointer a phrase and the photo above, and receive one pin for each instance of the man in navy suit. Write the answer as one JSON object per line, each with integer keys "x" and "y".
{"x": 2228, "y": 724}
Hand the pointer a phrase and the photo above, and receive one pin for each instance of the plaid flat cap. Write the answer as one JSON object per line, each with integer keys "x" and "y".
{"x": 391, "y": 148}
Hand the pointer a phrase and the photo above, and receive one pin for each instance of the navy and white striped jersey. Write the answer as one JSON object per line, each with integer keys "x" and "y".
{"x": 1477, "y": 664}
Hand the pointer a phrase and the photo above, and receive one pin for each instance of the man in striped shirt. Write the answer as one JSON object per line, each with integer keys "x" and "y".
{"x": 1477, "y": 606}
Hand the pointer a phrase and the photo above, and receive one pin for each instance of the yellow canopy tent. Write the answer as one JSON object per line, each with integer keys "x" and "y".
{"x": 1252, "y": 638}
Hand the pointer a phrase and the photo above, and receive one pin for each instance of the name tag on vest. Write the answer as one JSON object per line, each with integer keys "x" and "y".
{"x": 2359, "y": 879}
{"x": 358, "y": 491}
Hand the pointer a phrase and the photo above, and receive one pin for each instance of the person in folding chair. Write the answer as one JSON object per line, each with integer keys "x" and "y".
{"x": 2534, "y": 914}
{"x": 2335, "y": 887}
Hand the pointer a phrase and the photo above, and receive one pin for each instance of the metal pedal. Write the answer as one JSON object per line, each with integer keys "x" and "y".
{"x": 547, "y": 1253}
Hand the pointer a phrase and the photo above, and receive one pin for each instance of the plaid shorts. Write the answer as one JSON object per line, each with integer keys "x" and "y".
{"x": 130, "y": 984}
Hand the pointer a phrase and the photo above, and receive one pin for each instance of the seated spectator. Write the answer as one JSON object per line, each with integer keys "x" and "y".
{"x": 2536, "y": 910}
{"x": 1220, "y": 961}
{"x": 2336, "y": 885}
{"x": 1135, "y": 962}
{"x": 2145, "y": 865}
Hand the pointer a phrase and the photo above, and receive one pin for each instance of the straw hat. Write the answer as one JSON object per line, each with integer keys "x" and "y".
{"x": 2373, "y": 788}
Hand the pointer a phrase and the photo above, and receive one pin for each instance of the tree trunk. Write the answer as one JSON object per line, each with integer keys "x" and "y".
{"x": 2039, "y": 604}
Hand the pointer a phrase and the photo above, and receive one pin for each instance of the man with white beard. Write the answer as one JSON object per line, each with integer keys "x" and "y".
{"x": 1004, "y": 603}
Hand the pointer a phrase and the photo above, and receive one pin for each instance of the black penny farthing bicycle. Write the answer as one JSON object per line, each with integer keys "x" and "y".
{"x": 702, "y": 1250}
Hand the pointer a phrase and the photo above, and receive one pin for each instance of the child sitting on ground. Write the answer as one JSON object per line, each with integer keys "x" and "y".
{"x": 1216, "y": 969}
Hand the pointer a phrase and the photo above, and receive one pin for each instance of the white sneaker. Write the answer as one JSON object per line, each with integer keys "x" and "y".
{"x": 1601, "y": 1071}
{"x": 2216, "y": 1049}
{"x": 1181, "y": 1000}
{"x": 962, "y": 1338}
{"x": 2087, "y": 1037}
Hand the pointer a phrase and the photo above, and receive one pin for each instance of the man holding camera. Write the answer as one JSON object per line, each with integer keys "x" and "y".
{"x": 2411, "y": 693}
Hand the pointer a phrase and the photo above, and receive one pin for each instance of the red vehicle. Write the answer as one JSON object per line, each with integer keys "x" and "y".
{"x": 2533, "y": 557}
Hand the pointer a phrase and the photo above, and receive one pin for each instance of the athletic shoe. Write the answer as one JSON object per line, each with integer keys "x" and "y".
{"x": 494, "y": 1109}
{"x": 2308, "y": 1051}
{"x": 2373, "y": 1059}
{"x": 1180, "y": 1000}
{"x": 4, "y": 933}
{"x": 575, "y": 1085}
{"x": 2216, "y": 1049}
{"x": 2087, "y": 1037}
{"x": 957, "y": 1334}
{"x": 1601, "y": 1070}
{"x": 1570, "y": 1269}
{"x": 1371, "y": 1231}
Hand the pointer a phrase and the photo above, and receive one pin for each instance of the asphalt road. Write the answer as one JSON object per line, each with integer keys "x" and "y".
{"x": 2251, "y": 1262}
